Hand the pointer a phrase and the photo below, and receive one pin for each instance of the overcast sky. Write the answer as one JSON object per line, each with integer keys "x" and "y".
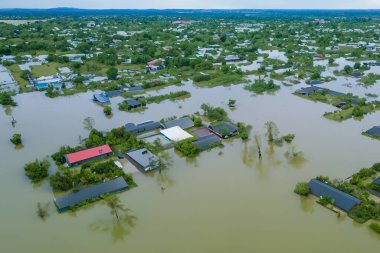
{"x": 194, "y": 4}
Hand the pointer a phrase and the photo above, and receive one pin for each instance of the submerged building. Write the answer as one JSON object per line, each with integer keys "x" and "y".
{"x": 65, "y": 202}
{"x": 341, "y": 199}
{"x": 143, "y": 159}
{"x": 86, "y": 155}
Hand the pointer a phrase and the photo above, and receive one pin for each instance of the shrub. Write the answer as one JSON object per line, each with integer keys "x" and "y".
{"x": 6, "y": 99}
{"x": 37, "y": 171}
{"x": 214, "y": 113}
{"x": 375, "y": 227}
{"x": 288, "y": 138}
{"x": 187, "y": 148}
{"x": 16, "y": 139}
{"x": 302, "y": 189}
{"x": 61, "y": 181}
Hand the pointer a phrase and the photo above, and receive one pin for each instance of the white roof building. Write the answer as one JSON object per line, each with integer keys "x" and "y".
{"x": 176, "y": 134}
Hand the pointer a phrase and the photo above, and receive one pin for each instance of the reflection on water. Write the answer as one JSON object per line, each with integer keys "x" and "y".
{"x": 307, "y": 204}
{"x": 118, "y": 228}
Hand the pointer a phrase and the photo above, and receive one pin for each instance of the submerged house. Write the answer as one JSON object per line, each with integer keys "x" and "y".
{"x": 142, "y": 127}
{"x": 134, "y": 88}
{"x": 224, "y": 129}
{"x": 308, "y": 90}
{"x": 183, "y": 123}
{"x": 207, "y": 141}
{"x": 374, "y": 131}
{"x": 376, "y": 181}
{"x": 101, "y": 98}
{"x": 143, "y": 159}
{"x": 134, "y": 103}
{"x": 86, "y": 155}
{"x": 341, "y": 199}
{"x": 65, "y": 202}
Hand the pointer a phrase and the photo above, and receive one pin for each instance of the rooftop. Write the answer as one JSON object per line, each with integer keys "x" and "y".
{"x": 176, "y": 134}
{"x": 144, "y": 158}
{"x": 64, "y": 202}
{"x": 341, "y": 199}
{"x": 184, "y": 123}
{"x": 88, "y": 153}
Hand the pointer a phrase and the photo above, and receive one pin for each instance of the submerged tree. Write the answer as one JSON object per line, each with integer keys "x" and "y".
{"x": 258, "y": 144}
{"x": 88, "y": 123}
{"x": 42, "y": 212}
{"x": 114, "y": 203}
{"x": 272, "y": 131}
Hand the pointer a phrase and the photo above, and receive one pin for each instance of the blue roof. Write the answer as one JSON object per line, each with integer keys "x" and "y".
{"x": 341, "y": 199}
{"x": 113, "y": 93}
{"x": 207, "y": 141}
{"x": 64, "y": 202}
{"x": 375, "y": 131}
{"x": 376, "y": 181}
{"x": 101, "y": 98}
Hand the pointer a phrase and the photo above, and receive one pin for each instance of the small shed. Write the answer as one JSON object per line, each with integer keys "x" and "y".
{"x": 224, "y": 129}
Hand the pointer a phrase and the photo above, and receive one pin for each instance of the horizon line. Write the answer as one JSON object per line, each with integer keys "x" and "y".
{"x": 62, "y": 7}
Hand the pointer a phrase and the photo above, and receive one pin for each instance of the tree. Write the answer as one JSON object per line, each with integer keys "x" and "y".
{"x": 272, "y": 131}
{"x": 16, "y": 139}
{"x": 107, "y": 110}
{"x": 302, "y": 189}
{"x": 258, "y": 144}
{"x": 88, "y": 123}
{"x": 114, "y": 203}
{"x": 112, "y": 73}
{"x": 6, "y": 99}
{"x": 37, "y": 170}
{"x": 348, "y": 69}
{"x": 61, "y": 181}
{"x": 357, "y": 65}
{"x": 357, "y": 111}
{"x": 25, "y": 74}
{"x": 42, "y": 212}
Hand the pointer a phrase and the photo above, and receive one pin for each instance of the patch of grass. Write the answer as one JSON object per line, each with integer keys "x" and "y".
{"x": 46, "y": 69}
{"x": 16, "y": 73}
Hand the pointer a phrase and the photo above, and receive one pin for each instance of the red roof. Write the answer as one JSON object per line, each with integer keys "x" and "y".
{"x": 88, "y": 153}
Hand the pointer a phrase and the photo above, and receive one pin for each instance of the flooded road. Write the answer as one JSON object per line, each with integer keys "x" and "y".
{"x": 226, "y": 200}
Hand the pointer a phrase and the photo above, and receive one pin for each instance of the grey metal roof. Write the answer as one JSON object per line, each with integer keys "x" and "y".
{"x": 113, "y": 93}
{"x": 133, "y": 102}
{"x": 375, "y": 131}
{"x": 376, "y": 181}
{"x": 207, "y": 141}
{"x": 183, "y": 123}
{"x": 64, "y": 202}
{"x": 224, "y": 125}
{"x": 143, "y": 157}
{"x": 142, "y": 127}
{"x": 341, "y": 199}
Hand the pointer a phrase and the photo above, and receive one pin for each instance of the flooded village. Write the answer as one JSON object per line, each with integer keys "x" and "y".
{"x": 152, "y": 131}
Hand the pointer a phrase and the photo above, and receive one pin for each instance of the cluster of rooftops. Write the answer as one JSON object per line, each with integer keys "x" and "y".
{"x": 142, "y": 158}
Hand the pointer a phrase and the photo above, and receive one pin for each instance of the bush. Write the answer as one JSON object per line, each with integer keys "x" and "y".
{"x": 214, "y": 113}
{"x": 37, "y": 171}
{"x": 260, "y": 86}
{"x": 201, "y": 78}
{"x": 302, "y": 189}
{"x": 6, "y": 99}
{"x": 61, "y": 181}
{"x": 375, "y": 227}
{"x": 16, "y": 139}
{"x": 187, "y": 148}
{"x": 197, "y": 121}
{"x": 288, "y": 138}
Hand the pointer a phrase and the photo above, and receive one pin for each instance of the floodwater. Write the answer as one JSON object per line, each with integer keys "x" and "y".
{"x": 226, "y": 200}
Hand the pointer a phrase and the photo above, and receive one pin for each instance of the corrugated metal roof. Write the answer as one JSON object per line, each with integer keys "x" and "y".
{"x": 341, "y": 199}
{"x": 206, "y": 142}
{"x": 184, "y": 123}
{"x": 88, "y": 153}
{"x": 72, "y": 199}
{"x": 375, "y": 131}
{"x": 143, "y": 157}
{"x": 376, "y": 181}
